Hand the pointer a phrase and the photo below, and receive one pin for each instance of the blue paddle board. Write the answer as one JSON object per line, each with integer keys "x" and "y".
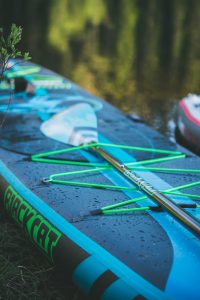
{"x": 142, "y": 254}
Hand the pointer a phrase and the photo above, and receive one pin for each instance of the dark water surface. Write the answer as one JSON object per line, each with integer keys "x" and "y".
{"x": 141, "y": 55}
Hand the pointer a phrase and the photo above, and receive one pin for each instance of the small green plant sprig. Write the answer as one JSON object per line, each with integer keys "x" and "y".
{"x": 8, "y": 51}
{"x": 8, "y": 47}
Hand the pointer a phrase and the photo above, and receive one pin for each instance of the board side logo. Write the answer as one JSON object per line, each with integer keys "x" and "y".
{"x": 38, "y": 228}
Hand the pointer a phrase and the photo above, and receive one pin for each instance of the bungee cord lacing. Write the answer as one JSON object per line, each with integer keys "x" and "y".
{"x": 142, "y": 165}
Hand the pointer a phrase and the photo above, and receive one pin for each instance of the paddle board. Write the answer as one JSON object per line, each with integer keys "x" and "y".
{"x": 133, "y": 255}
{"x": 188, "y": 123}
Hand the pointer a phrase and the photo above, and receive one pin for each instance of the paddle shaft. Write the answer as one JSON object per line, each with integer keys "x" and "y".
{"x": 164, "y": 201}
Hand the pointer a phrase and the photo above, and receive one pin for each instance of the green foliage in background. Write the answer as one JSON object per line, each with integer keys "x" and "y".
{"x": 125, "y": 50}
{"x": 69, "y": 19}
{"x": 118, "y": 49}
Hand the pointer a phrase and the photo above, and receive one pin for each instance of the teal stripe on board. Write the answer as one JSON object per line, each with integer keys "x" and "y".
{"x": 119, "y": 290}
{"x": 92, "y": 268}
{"x": 21, "y": 71}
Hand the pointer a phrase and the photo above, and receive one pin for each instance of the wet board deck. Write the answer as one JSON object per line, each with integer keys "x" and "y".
{"x": 134, "y": 255}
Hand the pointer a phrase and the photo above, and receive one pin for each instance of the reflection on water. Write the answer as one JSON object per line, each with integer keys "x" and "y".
{"x": 141, "y": 55}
